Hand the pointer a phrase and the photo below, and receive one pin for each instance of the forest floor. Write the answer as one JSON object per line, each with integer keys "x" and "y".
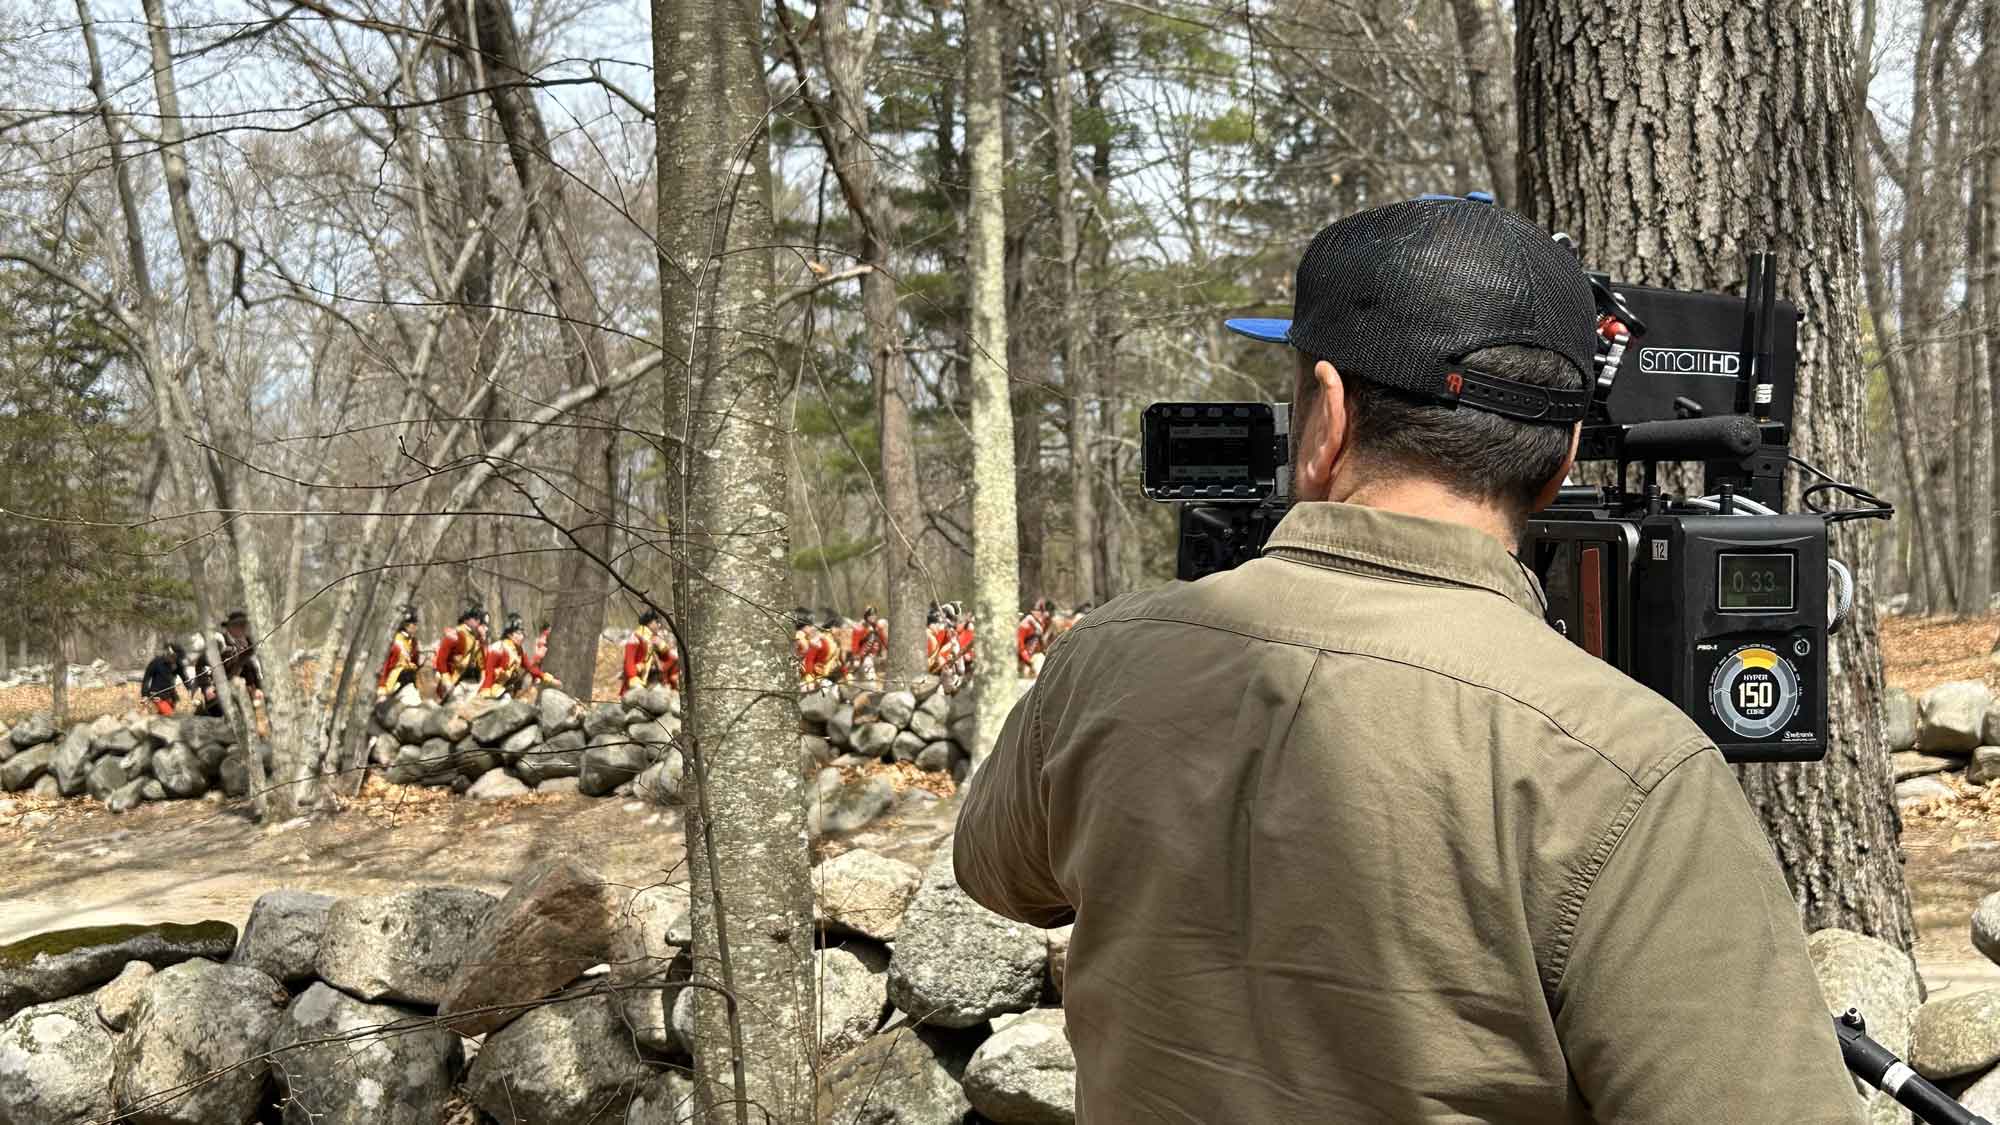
{"x": 67, "y": 863}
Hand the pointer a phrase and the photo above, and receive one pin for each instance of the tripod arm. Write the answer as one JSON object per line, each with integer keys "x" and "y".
{"x": 1879, "y": 1067}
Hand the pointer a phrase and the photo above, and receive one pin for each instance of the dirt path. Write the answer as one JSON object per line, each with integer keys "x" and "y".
{"x": 69, "y": 863}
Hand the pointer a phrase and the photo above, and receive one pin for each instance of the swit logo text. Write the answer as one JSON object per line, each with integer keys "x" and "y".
{"x": 1689, "y": 361}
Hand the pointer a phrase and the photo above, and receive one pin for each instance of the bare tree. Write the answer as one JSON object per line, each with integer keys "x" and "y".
{"x": 996, "y": 593}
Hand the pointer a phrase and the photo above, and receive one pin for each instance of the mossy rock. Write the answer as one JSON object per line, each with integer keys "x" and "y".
{"x": 65, "y": 963}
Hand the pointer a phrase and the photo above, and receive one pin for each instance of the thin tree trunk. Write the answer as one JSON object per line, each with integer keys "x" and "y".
{"x": 1483, "y": 44}
{"x": 1602, "y": 91}
{"x": 724, "y": 394}
{"x": 59, "y": 677}
{"x": 294, "y": 765}
{"x": 490, "y": 42}
{"x": 1981, "y": 492}
{"x": 996, "y": 594}
{"x": 1077, "y": 383}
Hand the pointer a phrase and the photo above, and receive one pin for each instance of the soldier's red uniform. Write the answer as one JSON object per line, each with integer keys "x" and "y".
{"x": 540, "y": 654}
{"x": 1030, "y": 639}
{"x": 506, "y": 671}
{"x": 650, "y": 659}
{"x": 817, "y": 656}
{"x": 399, "y": 664}
{"x": 458, "y": 654}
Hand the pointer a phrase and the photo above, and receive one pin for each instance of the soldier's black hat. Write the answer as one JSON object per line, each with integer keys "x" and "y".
{"x": 236, "y": 617}
{"x": 514, "y": 624}
{"x": 649, "y": 616}
{"x": 473, "y": 612}
{"x": 801, "y": 617}
{"x": 409, "y": 615}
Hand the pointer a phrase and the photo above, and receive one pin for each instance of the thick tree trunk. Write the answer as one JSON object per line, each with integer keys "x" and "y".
{"x": 1625, "y": 144}
{"x": 996, "y": 594}
{"x": 724, "y": 394}
{"x": 1984, "y": 251}
{"x": 490, "y": 42}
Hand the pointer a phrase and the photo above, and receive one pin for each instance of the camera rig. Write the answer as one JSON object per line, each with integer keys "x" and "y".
{"x": 1722, "y": 602}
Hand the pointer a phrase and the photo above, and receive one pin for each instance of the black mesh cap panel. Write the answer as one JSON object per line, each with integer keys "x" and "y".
{"x": 1400, "y": 295}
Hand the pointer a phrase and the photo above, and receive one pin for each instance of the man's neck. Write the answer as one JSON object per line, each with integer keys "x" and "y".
{"x": 1433, "y": 501}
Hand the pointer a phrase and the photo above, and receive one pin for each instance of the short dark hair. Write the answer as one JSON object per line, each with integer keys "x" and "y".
{"x": 1475, "y": 453}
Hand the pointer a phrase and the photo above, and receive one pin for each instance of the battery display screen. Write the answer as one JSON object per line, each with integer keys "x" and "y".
{"x": 1751, "y": 583}
{"x": 1208, "y": 452}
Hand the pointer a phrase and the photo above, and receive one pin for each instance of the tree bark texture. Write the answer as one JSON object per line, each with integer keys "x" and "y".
{"x": 1484, "y": 44}
{"x": 841, "y": 119}
{"x": 1670, "y": 138}
{"x": 291, "y": 758}
{"x": 996, "y": 595}
{"x": 746, "y": 832}
{"x": 1979, "y": 503}
{"x": 1078, "y": 385}
{"x": 493, "y": 48}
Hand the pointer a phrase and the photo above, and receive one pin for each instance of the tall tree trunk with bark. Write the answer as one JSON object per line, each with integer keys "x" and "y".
{"x": 840, "y": 118}
{"x": 493, "y": 50}
{"x": 996, "y": 592}
{"x": 1606, "y": 94}
{"x": 724, "y": 425}
{"x": 1078, "y": 385}
{"x": 1981, "y": 494}
{"x": 292, "y": 758}
{"x": 1484, "y": 42}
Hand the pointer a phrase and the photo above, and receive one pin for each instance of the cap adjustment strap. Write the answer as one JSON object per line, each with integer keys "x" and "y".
{"x": 1513, "y": 398}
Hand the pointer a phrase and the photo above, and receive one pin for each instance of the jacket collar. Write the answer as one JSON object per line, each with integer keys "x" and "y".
{"x": 1370, "y": 540}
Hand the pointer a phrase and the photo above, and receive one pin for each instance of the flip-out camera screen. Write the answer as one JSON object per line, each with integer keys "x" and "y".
{"x": 1210, "y": 450}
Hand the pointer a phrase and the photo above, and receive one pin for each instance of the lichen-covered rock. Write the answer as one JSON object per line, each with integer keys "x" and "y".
{"x": 32, "y": 731}
{"x": 817, "y": 705}
{"x": 63, "y": 963}
{"x": 339, "y": 1061}
{"x": 1952, "y": 716}
{"x": 906, "y": 747}
{"x": 105, "y": 777}
{"x": 905, "y": 1077}
{"x": 493, "y": 726}
{"x": 958, "y": 964}
{"x": 861, "y": 892}
{"x": 1026, "y": 1073}
{"x": 192, "y": 1050}
{"x": 937, "y": 757}
{"x": 497, "y": 785}
{"x": 180, "y": 771}
{"x": 55, "y": 1064}
{"x": 815, "y": 752}
{"x": 410, "y": 722}
{"x": 1899, "y": 717}
{"x": 610, "y": 761}
{"x": 1921, "y": 790}
{"x": 896, "y": 707}
{"x": 119, "y": 742}
{"x": 283, "y": 934}
{"x": 72, "y": 761}
{"x": 852, "y": 991}
{"x": 655, "y": 700}
{"x": 643, "y": 948}
{"x": 557, "y": 711}
{"x": 234, "y": 774}
{"x": 928, "y": 727}
{"x": 874, "y": 739}
{"x": 1059, "y": 956}
{"x": 554, "y": 924}
{"x": 661, "y": 782}
{"x": 840, "y": 728}
{"x": 1985, "y": 765}
{"x": 520, "y": 742}
{"x": 1878, "y": 979}
{"x": 448, "y": 723}
{"x": 400, "y": 947}
{"x": 562, "y": 1063}
{"x": 116, "y": 1000}
{"x": 27, "y": 767}
{"x": 131, "y": 795}
{"x": 561, "y": 756}
{"x": 666, "y": 1099}
{"x": 139, "y": 760}
{"x": 840, "y": 804}
{"x": 605, "y": 718}
{"x": 1956, "y": 1035}
{"x": 1906, "y": 764}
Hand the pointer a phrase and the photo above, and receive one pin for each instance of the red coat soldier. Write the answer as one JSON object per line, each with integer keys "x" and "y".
{"x": 458, "y": 651}
{"x": 506, "y": 668}
{"x": 650, "y": 657}
{"x": 399, "y": 664}
{"x": 868, "y": 642}
{"x": 1031, "y": 638}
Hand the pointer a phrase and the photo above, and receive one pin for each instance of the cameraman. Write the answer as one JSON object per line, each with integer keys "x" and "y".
{"x": 1362, "y": 839}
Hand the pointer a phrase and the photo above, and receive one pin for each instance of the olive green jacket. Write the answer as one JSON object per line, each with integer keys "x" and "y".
{"x": 1350, "y": 835}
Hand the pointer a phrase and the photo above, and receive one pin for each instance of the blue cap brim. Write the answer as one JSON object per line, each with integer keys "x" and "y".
{"x": 1271, "y": 330}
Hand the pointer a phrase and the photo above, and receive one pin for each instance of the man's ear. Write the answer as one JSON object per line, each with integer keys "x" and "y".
{"x": 1547, "y": 495}
{"x": 1322, "y": 433}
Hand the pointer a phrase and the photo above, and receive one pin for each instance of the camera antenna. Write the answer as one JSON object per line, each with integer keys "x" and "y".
{"x": 1753, "y": 291}
{"x": 1767, "y": 315}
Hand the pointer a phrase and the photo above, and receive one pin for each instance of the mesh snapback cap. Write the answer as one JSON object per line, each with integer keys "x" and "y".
{"x": 1401, "y": 294}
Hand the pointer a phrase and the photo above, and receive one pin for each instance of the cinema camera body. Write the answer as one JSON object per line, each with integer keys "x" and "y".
{"x": 1721, "y": 602}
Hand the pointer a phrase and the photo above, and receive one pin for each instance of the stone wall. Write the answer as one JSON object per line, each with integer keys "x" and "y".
{"x": 490, "y": 749}
{"x": 1951, "y": 731}
{"x": 564, "y": 1002}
